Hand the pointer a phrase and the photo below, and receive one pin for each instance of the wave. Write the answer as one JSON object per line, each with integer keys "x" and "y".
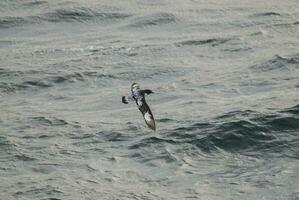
{"x": 245, "y": 132}
{"x": 151, "y": 73}
{"x": 77, "y": 14}
{"x": 81, "y": 14}
{"x": 292, "y": 110}
{"x": 34, "y": 192}
{"x": 213, "y": 42}
{"x": 6, "y": 145}
{"x": 114, "y": 136}
{"x": 148, "y": 155}
{"x": 154, "y": 20}
{"x": 8, "y": 22}
{"x": 266, "y": 14}
{"x": 285, "y": 25}
{"x": 34, "y": 4}
{"x": 49, "y": 121}
{"x": 11, "y": 150}
{"x": 151, "y": 140}
{"x": 23, "y": 157}
{"x": 29, "y": 79}
{"x": 278, "y": 63}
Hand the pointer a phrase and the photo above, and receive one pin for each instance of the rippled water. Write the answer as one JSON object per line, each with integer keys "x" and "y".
{"x": 225, "y": 76}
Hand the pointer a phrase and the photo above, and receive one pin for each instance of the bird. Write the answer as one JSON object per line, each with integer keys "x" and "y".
{"x": 138, "y": 96}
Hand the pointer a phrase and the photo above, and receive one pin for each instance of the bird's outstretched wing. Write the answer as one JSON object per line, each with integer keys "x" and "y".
{"x": 147, "y": 115}
{"x": 127, "y": 99}
{"x": 147, "y": 91}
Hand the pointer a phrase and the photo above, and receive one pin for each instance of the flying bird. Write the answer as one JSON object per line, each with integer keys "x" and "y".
{"x": 138, "y": 96}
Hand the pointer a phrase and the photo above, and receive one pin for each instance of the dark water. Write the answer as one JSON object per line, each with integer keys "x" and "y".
{"x": 225, "y": 76}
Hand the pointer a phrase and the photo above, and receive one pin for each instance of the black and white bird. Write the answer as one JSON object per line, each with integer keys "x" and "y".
{"x": 138, "y": 96}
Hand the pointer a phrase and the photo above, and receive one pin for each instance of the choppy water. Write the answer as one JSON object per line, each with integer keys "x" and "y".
{"x": 225, "y": 76}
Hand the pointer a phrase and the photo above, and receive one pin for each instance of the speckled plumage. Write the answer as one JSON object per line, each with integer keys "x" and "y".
{"x": 138, "y": 96}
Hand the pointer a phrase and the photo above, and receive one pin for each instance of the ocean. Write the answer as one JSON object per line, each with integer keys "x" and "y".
{"x": 225, "y": 77}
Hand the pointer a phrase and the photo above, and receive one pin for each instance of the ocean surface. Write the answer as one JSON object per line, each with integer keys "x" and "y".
{"x": 225, "y": 76}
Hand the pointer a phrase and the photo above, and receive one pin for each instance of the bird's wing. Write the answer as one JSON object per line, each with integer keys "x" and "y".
{"x": 146, "y": 91}
{"x": 127, "y": 99}
{"x": 147, "y": 115}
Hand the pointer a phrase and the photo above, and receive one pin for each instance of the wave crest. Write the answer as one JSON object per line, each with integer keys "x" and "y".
{"x": 80, "y": 14}
{"x": 213, "y": 42}
{"x": 278, "y": 63}
{"x": 154, "y": 20}
{"x": 244, "y": 132}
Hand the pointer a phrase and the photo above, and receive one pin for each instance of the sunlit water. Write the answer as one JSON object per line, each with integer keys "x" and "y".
{"x": 225, "y": 76}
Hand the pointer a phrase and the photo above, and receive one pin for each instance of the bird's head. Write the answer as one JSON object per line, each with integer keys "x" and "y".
{"x": 135, "y": 86}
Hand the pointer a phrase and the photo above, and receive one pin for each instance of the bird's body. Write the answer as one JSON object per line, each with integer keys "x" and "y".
{"x": 138, "y": 96}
